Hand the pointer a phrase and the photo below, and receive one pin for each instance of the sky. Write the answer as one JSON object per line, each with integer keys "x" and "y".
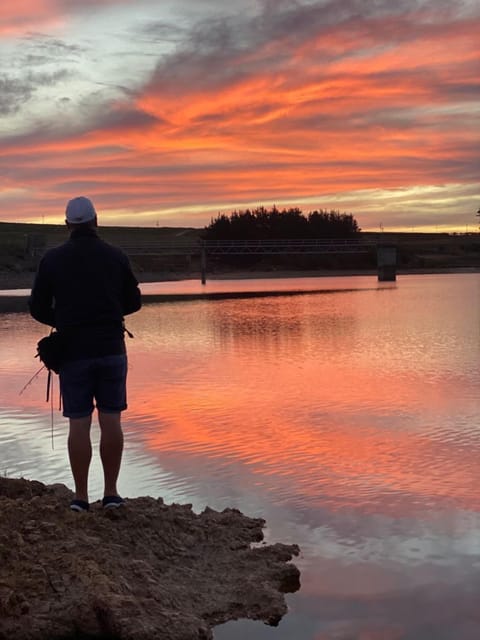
{"x": 170, "y": 112}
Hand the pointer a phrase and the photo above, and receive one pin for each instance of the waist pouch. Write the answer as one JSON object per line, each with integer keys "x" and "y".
{"x": 50, "y": 351}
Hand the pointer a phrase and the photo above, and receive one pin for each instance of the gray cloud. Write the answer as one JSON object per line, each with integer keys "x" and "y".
{"x": 50, "y": 45}
{"x": 217, "y": 52}
{"x": 93, "y": 114}
{"x": 38, "y": 61}
{"x": 76, "y": 6}
{"x": 15, "y": 92}
{"x": 161, "y": 31}
{"x": 121, "y": 119}
{"x": 36, "y": 50}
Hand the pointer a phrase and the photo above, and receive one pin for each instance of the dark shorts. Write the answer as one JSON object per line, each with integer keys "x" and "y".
{"x": 102, "y": 380}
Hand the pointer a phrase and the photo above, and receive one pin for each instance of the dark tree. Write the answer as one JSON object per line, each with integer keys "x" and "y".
{"x": 263, "y": 224}
{"x": 332, "y": 224}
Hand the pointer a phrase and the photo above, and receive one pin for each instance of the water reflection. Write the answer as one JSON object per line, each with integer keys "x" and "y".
{"x": 348, "y": 420}
{"x": 264, "y": 285}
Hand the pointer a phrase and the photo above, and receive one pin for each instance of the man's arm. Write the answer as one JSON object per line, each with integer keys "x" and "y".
{"x": 132, "y": 300}
{"x": 41, "y": 298}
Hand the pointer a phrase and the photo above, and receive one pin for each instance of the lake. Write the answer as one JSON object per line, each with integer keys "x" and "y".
{"x": 348, "y": 418}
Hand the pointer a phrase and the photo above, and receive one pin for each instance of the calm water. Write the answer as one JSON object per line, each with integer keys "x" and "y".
{"x": 348, "y": 419}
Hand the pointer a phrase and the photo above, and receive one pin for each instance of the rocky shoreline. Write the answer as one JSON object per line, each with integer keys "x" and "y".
{"x": 148, "y": 570}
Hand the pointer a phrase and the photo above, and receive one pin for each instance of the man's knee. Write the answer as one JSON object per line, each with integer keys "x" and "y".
{"x": 109, "y": 421}
{"x": 80, "y": 425}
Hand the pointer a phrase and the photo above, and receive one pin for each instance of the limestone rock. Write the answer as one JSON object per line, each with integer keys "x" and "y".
{"x": 147, "y": 570}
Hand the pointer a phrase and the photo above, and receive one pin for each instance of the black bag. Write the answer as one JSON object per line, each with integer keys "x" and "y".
{"x": 50, "y": 351}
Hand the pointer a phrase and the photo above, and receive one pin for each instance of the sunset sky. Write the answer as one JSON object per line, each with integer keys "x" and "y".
{"x": 170, "y": 112}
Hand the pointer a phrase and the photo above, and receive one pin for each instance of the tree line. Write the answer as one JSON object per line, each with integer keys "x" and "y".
{"x": 272, "y": 224}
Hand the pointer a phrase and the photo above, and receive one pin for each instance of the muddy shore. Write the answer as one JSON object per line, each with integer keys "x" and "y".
{"x": 148, "y": 570}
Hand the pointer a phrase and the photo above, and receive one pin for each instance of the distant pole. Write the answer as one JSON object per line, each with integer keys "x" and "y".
{"x": 203, "y": 264}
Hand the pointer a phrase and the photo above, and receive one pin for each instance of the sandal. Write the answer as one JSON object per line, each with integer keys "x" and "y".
{"x": 79, "y": 505}
{"x": 112, "y": 502}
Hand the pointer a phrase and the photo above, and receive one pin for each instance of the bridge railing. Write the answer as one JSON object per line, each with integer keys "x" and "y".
{"x": 288, "y": 246}
{"x": 138, "y": 247}
{"x": 144, "y": 246}
{"x": 164, "y": 247}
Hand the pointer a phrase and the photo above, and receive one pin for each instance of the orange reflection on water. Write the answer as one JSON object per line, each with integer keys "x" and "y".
{"x": 312, "y": 437}
{"x": 361, "y": 398}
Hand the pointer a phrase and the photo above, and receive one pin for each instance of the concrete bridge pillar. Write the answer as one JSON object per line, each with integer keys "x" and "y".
{"x": 387, "y": 262}
{"x": 203, "y": 264}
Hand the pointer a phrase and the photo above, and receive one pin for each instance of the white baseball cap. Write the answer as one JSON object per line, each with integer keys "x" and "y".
{"x": 80, "y": 210}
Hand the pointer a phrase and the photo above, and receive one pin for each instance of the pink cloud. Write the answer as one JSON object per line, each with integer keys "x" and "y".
{"x": 306, "y": 101}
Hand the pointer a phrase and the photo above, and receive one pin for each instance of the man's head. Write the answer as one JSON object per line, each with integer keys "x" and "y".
{"x": 80, "y": 211}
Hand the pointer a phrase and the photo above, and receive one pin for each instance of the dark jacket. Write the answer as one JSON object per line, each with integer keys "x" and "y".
{"x": 84, "y": 288}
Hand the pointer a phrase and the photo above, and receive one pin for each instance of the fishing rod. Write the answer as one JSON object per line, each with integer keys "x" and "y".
{"x": 49, "y": 392}
{"x": 32, "y": 379}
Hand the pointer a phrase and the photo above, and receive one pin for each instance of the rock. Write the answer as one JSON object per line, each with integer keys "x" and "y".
{"x": 147, "y": 570}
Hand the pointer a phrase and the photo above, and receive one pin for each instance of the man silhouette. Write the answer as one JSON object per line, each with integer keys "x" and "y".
{"x": 84, "y": 288}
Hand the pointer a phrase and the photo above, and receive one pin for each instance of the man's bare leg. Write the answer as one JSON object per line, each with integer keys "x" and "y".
{"x": 111, "y": 449}
{"x": 80, "y": 454}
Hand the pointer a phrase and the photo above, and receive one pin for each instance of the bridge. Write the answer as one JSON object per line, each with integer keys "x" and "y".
{"x": 386, "y": 253}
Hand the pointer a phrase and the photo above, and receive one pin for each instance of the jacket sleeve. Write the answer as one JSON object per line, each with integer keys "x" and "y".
{"x": 41, "y": 302}
{"x": 132, "y": 299}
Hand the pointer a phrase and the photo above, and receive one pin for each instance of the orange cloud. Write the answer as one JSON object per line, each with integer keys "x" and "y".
{"x": 28, "y": 15}
{"x": 271, "y": 114}
{"x": 23, "y": 16}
